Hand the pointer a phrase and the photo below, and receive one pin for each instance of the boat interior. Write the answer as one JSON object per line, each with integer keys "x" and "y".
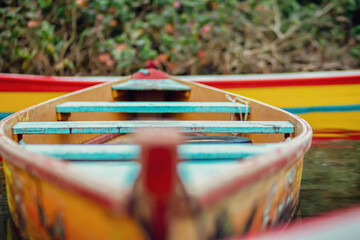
{"x": 92, "y": 130}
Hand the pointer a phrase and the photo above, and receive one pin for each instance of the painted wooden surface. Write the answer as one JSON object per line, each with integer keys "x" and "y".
{"x": 123, "y": 174}
{"x": 326, "y": 108}
{"x": 42, "y": 210}
{"x": 286, "y": 90}
{"x": 333, "y": 90}
{"x": 243, "y": 197}
{"x": 152, "y": 107}
{"x": 86, "y": 127}
{"x": 127, "y": 152}
{"x": 151, "y": 84}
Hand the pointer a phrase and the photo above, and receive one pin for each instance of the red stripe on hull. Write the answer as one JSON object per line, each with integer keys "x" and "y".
{"x": 255, "y": 83}
{"x": 336, "y": 134}
{"x": 32, "y": 83}
{"x": 19, "y": 83}
{"x": 356, "y": 137}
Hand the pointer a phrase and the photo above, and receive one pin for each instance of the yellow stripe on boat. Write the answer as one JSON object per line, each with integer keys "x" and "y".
{"x": 333, "y": 120}
{"x": 16, "y": 101}
{"x": 47, "y": 211}
{"x": 300, "y": 96}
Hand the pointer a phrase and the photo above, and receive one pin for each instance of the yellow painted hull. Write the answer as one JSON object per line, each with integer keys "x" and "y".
{"x": 308, "y": 96}
{"x": 288, "y": 97}
{"x": 300, "y": 96}
{"x": 15, "y": 101}
{"x": 52, "y": 198}
{"x": 41, "y": 210}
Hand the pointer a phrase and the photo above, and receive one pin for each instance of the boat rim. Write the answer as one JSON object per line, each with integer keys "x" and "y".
{"x": 55, "y": 172}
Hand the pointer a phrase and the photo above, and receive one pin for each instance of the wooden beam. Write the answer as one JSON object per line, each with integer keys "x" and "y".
{"x": 151, "y": 107}
{"x": 90, "y": 127}
{"x": 219, "y": 151}
{"x": 151, "y": 85}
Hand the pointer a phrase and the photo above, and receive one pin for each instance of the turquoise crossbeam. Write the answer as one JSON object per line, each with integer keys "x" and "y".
{"x": 128, "y": 152}
{"x": 90, "y": 127}
{"x": 151, "y": 107}
{"x": 151, "y": 85}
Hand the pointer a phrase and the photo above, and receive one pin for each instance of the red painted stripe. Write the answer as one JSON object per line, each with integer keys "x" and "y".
{"x": 26, "y": 83}
{"x": 335, "y": 138}
{"x": 336, "y": 134}
{"x": 32, "y": 83}
{"x": 322, "y": 144}
{"x": 254, "y": 83}
{"x": 150, "y": 74}
{"x": 337, "y": 131}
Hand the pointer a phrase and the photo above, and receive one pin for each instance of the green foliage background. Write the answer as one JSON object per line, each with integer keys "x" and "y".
{"x": 116, "y": 37}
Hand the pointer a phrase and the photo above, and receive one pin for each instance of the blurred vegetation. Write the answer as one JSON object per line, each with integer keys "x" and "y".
{"x": 102, "y": 37}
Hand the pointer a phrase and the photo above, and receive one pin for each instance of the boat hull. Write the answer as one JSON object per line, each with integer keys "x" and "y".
{"x": 333, "y": 111}
{"x": 328, "y": 101}
{"x": 42, "y": 210}
{"x": 60, "y": 202}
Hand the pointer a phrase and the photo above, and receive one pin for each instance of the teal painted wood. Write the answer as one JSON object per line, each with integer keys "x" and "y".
{"x": 129, "y": 152}
{"x": 151, "y": 107}
{"x": 124, "y": 174}
{"x": 118, "y": 174}
{"x": 197, "y": 172}
{"x": 151, "y": 85}
{"x": 89, "y": 127}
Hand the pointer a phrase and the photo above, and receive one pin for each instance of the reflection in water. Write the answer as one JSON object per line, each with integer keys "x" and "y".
{"x": 331, "y": 180}
{"x": 331, "y": 177}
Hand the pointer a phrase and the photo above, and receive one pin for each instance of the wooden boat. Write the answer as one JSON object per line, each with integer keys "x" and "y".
{"x": 236, "y": 172}
{"x": 328, "y": 101}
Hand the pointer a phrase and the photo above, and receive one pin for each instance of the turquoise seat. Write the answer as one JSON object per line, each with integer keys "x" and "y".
{"x": 151, "y": 85}
{"x": 213, "y": 152}
{"x": 90, "y": 127}
{"x": 151, "y": 107}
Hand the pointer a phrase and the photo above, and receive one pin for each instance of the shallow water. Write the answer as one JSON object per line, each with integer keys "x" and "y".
{"x": 331, "y": 177}
{"x": 331, "y": 180}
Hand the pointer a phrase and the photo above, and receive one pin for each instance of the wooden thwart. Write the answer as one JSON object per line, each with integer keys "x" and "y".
{"x": 151, "y": 85}
{"x": 151, "y": 107}
{"x": 130, "y": 152}
{"x": 90, "y": 127}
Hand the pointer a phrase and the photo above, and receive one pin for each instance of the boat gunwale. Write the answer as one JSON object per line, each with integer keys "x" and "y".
{"x": 55, "y": 83}
{"x": 265, "y": 163}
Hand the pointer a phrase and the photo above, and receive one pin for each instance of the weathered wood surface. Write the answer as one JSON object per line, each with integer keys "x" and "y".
{"x": 87, "y": 127}
{"x": 217, "y": 151}
{"x": 152, "y": 107}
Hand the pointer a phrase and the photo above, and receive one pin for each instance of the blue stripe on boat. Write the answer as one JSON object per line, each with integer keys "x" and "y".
{"x": 4, "y": 115}
{"x": 128, "y": 152}
{"x": 151, "y": 85}
{"x": 331, "y": 108}
{"x": 151, "y": 107}
{"x": 90, "y": 127}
